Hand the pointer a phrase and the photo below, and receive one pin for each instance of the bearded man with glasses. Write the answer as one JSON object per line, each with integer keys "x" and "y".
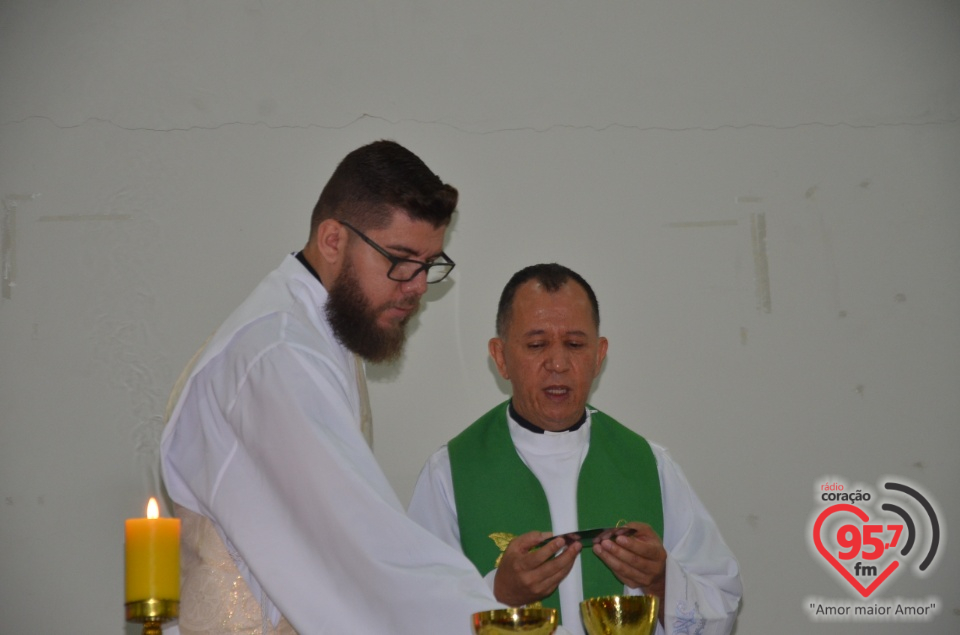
{"x": 375, "y": 330}
{"x": 289, "y": 524}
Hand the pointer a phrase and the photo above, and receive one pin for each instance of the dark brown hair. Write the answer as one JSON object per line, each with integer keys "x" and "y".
{"x": 552, "y": 276}
{"x": 373, "y": 181}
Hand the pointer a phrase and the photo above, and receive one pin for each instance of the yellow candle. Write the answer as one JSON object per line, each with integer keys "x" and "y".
{"x": 153, "y": 557}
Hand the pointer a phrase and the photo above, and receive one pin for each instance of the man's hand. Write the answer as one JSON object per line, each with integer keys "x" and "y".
{"x": 639, "y": 561}
{"x": 525, "y": 576}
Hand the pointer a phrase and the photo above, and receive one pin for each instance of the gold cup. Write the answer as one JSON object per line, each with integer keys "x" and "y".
{"x": 620, "y": 615}
{"x": 519, "y": 620}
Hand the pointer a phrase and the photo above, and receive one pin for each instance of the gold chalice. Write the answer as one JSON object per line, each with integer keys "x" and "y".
{"x": 519, "y": 620}
{"x": 620, "y": 615}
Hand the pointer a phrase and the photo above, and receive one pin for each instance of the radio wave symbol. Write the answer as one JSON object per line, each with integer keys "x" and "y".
{"x": 906, "y": 521}
{"x": 934, "y": 523}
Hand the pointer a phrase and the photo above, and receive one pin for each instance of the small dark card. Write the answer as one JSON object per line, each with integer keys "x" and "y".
{"x": 587, "y": 537}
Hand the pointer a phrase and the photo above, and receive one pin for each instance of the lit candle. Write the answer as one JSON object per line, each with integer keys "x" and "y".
{"x": 153, "y": 557}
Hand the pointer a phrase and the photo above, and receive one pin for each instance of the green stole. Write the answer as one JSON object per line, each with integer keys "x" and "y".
{"x": 496, "y": 493}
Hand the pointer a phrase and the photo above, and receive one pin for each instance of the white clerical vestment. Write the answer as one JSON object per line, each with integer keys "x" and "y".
{"x": 264, "y": 448}
{"x": 703, "y": 586}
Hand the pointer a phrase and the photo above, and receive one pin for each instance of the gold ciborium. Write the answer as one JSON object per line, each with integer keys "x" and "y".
{"x": 520, "y": 620}
{"x": 620, "y": 615}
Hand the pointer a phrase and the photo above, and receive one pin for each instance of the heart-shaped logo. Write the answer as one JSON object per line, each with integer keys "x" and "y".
{"x": 854, "y": 546}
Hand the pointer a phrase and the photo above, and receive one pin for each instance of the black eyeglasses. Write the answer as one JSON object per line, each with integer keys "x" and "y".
{"x": 404, "y": 269}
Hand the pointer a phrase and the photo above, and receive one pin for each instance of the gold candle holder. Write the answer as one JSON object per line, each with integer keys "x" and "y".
{"x": 152, "y": 613}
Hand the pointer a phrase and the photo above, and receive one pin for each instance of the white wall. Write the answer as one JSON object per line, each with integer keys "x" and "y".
{"x": 158, "y": 158}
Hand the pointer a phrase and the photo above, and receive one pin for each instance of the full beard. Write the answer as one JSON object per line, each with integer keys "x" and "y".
{"x": 354, "y": 321}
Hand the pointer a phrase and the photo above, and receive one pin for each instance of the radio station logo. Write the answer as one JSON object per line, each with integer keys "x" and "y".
{"x": 867, "y": 538}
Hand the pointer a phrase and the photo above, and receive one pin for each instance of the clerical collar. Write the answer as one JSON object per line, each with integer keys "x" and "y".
{"x": 523, "y": 423}
{"x": 303, "y": 260}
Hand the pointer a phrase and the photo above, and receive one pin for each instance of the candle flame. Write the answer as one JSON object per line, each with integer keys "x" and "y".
{"x": 153, "y": 510}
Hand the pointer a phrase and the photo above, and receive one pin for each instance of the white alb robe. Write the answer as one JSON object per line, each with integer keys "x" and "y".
{"x": 265, "y": 443}
{"x": 703, "y": 586}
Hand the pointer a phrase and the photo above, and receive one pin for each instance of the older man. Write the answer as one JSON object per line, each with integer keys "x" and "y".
{"x": 545, "y": 460}
{"x": 289, "y": 524}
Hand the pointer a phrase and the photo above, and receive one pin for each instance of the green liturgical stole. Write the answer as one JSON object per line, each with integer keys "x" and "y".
{"x": 498, "y": 497}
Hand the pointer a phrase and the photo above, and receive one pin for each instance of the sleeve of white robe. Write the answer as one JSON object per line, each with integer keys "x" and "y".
{"x": 434, "y": 507}
{"x": 703, "y": 579}
{"x": 301, "y": 498}
{"x": 433, "y": 504}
